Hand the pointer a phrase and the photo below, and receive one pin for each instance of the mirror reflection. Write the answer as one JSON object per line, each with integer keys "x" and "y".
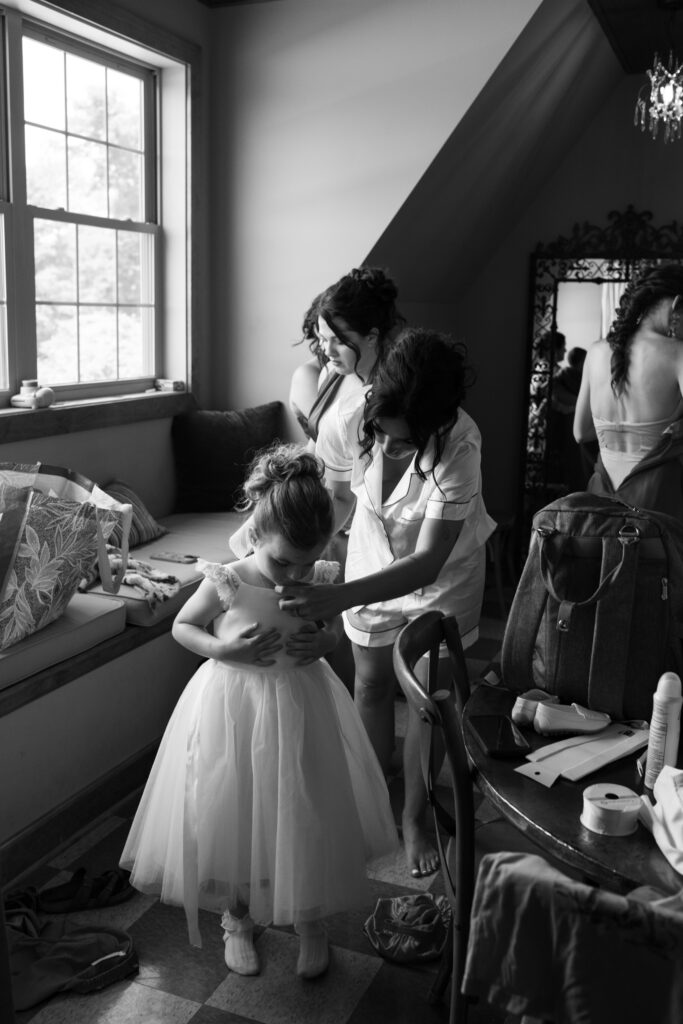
{"x": 576, "y": 285}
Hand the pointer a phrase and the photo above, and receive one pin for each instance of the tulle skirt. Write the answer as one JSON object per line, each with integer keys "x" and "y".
{"x": 265, "y": 791}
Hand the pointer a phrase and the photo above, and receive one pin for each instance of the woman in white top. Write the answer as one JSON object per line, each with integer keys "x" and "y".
{"x": 410, "y": 458}
{"x": 631, "y": 395}
{"x": 347, "y": 327}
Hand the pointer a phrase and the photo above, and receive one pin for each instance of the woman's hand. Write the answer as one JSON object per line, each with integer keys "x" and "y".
{"x": 313, "y": 601}
{"x": 251, "y": 647}
{"x": 311, "y": 643}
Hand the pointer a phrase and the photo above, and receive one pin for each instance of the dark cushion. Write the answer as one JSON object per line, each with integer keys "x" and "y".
{"x": 213, "y": 449}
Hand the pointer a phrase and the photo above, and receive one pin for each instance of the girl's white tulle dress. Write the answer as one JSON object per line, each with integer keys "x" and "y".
{"x": 265, "y": 789}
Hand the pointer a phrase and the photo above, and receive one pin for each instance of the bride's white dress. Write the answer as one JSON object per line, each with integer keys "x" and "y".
{"x": 265, "y": 788}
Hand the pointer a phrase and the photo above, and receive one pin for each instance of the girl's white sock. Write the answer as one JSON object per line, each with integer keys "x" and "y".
{"x": 314, "y": 954}
{"x": 238, "y": 936}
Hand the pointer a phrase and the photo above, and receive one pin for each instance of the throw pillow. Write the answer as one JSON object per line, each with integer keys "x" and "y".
{"x": 54, "y": 544}
{"x": 144, "y": 527}
{"x": 213, "y": 449}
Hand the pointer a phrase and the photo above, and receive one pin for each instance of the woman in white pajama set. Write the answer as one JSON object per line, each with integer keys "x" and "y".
{"x": 410, "y": 458}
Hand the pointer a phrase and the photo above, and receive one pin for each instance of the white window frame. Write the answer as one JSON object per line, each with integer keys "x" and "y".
{"x": 174, "y": 62}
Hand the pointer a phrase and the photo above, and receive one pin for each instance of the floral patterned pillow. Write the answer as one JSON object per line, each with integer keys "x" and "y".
{"x": 47, "y": 545}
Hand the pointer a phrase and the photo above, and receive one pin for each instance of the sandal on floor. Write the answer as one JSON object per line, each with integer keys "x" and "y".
{"x": 82, "y": 892}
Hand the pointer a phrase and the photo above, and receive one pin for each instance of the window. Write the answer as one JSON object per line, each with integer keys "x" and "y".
{"x": 82, "y": 269}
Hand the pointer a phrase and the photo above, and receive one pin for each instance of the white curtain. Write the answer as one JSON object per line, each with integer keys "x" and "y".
{"x": 611, "y": 293}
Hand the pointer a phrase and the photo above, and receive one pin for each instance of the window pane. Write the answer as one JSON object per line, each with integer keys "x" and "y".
{"x": 3, "y": 285}
{"x": 129, "y": 265}
{"x": 135, "y": 267}
{"x": 134, "y": 327}
{"x": 57, "y": 341}
{"x": 96, "y": 264}
{"x": 43, "y": 84}
{"x": 98, "y": 343}
{"x": 124, "y": 109}
{"x": 86, "y": 108}
{"x": 45, "y": 168}
{"x": 87, "y": 177}
{"x": 55, "y": 256}
{"x": 125, "y": 184}
{"x": 4, "y": 371}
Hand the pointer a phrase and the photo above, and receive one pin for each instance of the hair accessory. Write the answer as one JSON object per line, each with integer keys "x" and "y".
{"x": 674, "y": 318}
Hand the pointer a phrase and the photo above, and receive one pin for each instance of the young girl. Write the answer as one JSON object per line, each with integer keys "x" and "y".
{"x": 266, "y": 799}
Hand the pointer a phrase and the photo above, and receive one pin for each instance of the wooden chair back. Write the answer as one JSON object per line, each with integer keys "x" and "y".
{"x": 440, "y": 710}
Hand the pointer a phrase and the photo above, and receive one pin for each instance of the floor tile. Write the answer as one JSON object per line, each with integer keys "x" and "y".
{"x": 121, "y": 1003}
{"x": 394, "y": 869}
{"x": 277, "y": 996}
{"x": 169, "y": 962}
{"x": 212, "y": 1015}
{"x": 347, "y": 929}
{"x": 399, "y": 995}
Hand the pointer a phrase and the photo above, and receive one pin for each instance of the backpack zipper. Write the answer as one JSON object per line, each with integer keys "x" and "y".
{"x": 665, "y": 589}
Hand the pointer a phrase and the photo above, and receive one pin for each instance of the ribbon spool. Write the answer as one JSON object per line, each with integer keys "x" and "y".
{"x": 610, "y": 810}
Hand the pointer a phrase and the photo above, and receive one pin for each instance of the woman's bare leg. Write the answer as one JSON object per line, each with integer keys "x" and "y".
{"x": 374, "y": 688}
{"x": 421, "y": 853}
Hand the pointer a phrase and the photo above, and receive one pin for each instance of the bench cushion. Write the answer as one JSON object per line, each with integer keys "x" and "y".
{"x": 205, "y": 535}
{"x": 85, "y": 622}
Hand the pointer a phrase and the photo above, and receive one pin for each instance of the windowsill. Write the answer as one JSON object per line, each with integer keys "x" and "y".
{"x": 90, "y": 414}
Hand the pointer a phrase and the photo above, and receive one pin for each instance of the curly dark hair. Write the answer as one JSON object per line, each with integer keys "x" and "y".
{"x": 641, "y": 296}
{"x": 365, "y": 299}
{"x": 286, "y": 492}
{"x": 423, "y": 378}
{"x": 309, "y": 331}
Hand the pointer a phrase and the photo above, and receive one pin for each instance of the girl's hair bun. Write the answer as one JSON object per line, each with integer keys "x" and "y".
{"x": 285, "y": 489}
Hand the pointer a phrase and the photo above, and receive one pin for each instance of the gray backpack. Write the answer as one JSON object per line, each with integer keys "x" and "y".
{"x": 598, "y": 612}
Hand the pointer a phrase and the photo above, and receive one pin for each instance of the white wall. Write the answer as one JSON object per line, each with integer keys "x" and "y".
{"x": 324, "y": 116}
{"x": 579, "y": 312}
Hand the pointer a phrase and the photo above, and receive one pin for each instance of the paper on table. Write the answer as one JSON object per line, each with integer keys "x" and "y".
{"x": 578, "y": 756}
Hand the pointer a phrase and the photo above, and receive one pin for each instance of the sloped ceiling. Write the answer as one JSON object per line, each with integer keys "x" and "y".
{"x": 637, "y": 29}
{"x": 528, "y": 115}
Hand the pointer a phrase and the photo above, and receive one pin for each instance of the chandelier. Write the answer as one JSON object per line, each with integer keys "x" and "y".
{"x": 665, "y": 100}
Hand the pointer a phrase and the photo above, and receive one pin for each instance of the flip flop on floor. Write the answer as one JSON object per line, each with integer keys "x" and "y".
{"x": 82, "y": 892}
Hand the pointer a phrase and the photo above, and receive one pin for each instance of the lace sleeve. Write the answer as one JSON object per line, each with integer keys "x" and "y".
{"x": 325, "y": 572}
{"x": 225, "y": 580}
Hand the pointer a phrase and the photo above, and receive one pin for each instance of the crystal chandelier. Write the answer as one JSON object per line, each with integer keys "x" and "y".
{"x": 665, "y": 100}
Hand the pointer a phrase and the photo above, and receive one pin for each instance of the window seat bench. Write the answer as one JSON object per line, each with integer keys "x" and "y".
{"x": 84, "y": 702}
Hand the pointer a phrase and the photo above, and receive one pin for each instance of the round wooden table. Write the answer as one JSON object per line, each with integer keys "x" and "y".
{"x": 551, "y": 816}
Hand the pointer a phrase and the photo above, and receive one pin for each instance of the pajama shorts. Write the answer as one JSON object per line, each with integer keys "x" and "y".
{"x": 378, "y": 625}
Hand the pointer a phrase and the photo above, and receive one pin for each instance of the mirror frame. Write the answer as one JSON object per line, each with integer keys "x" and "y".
{"x": 629, "y": 242}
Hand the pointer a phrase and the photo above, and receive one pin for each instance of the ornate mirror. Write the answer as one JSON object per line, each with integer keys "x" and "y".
{"x": 576, "y": 282}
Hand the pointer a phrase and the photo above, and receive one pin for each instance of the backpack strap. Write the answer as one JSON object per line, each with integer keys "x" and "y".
{"x": 609, "y": 662}
{"x": 613, "y": 611}
{"x": 524, "y": 622}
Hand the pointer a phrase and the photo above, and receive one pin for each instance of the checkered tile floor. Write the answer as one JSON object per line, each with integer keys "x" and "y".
{"x": 177, "y": 983}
